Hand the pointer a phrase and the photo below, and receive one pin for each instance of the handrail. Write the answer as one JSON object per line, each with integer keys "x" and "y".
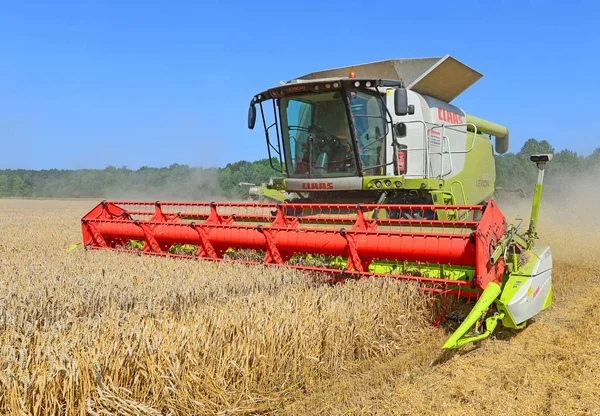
{"x": 449, "y": 152}
{"x": 444, "y": 126}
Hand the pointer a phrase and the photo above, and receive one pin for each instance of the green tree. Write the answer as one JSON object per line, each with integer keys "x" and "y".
{"x": 532, "y": 146}
{"x": 4, "y": 185}
{"x": 567, "y": 162}
{"x": 19, "y": 187}
{"x": 226, "y": 179}
{"x": 593, "y": 160}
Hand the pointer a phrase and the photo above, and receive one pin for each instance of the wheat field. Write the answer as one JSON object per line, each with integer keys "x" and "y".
{"x": 106, "y": 333}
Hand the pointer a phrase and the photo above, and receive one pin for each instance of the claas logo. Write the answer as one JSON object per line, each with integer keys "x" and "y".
{"x": 314, "y": 185}
{"x": 450, "y": 117}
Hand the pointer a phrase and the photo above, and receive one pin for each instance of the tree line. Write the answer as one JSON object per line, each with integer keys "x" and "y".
{"x": 514, "y": 171}
{"x": 176, "y": 181}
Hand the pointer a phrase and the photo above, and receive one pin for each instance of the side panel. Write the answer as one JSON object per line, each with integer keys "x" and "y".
{"x": 535, "y": 282}
{"x": 478, "y": 176}
{"x": 447, "y": 138}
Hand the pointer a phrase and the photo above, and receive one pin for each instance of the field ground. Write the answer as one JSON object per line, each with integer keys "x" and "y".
{"x": 104, "y": 333}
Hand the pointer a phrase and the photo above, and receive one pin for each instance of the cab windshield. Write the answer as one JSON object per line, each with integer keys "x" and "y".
{"x": 317, "y": 138}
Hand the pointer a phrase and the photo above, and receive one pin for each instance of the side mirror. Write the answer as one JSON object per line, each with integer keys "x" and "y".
{"x": 251, "y": 117}
{"x": 400, "y": 102}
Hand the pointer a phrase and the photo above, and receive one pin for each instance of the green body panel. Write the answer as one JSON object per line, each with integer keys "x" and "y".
{"x": 370, "y": 183}
{"x": 478, "y": 176}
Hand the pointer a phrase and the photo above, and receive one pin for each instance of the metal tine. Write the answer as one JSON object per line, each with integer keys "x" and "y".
{"x": 329, "y": 215}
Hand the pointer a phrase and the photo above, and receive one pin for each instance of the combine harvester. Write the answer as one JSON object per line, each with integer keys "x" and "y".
{"x": 388, "y": 180}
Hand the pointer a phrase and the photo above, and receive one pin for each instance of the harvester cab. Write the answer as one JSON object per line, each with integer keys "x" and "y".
{"x": 380, "y": 132}
{"x": 391, "y": 181}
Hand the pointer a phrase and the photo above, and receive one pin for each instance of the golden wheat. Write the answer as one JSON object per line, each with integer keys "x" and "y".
{"x": 105, "y": 333}
{"x": 109, "y": 333}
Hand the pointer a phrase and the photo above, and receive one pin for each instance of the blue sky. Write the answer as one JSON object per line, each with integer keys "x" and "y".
{"x": 86, "y": 84}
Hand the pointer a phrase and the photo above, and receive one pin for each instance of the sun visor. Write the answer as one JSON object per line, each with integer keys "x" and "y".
{"x": 443, "y": 78}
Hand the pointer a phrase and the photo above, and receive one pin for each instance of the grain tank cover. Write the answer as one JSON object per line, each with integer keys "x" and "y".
{"x": 442, "y": 78}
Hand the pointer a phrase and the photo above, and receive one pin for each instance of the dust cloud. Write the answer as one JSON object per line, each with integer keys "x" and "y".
{"x": 199, "y": 185}
{"x": 568, "y": 216}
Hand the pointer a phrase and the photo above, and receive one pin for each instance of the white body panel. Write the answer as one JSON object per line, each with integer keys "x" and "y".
{"x": 447, "y": 137}
{"x": 436, "y": 138}
{"x": 529, "y": 299}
